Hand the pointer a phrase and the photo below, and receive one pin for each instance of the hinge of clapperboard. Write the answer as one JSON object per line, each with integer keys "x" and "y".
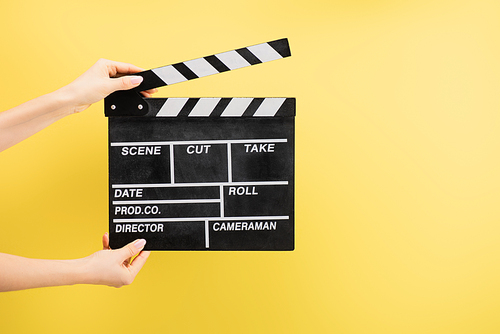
{"x": 132, "y": 103}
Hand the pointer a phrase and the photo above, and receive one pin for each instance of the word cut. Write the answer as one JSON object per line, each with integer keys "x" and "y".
{"x": 198, "y": 149}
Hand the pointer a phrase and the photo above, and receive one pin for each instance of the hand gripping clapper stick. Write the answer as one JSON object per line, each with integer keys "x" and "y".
{"x": 202, "y": 173}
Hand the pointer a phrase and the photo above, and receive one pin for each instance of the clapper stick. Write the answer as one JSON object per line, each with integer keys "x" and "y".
{"x": 131, "y": 103}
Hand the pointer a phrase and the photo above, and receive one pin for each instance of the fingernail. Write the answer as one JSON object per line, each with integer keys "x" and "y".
{"x": 136, "y": 80}
{"x": 140, "y": 243}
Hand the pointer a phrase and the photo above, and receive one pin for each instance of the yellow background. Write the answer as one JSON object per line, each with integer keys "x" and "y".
{"x": 397, "y": 166}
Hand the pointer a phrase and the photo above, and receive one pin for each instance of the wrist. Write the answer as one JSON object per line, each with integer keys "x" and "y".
{"x": 93, "y": 269}
{"x": 84, "y": 272}
{"x": 72, "y": 272}
{"x": 66, "y": 99}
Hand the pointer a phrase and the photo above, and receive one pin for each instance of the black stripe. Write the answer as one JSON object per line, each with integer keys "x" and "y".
{"x": 151, "y": 80}
{"x": 155, "y": 105}
{"x": 219, "y": 108}
{"x": 281, "y": 46}
{"x": 185, "y": 71}
{"x": 287, "y": 109}
{"x": 188, "y": 107}
{"x": 217, "y": 64}
{"x": 252, "y": 107}
{"x": 249, "y": 56}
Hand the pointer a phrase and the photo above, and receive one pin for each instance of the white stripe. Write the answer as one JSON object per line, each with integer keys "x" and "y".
{"x": 195, "y": 142}
{"x": 232, "y": 59}
{"x": 172, "y": 176}
{"x": 196, "y": 219}
{"x": 229, "y": 164}
{"x": 172, "y": 107}
{"x": 206, "y": 184}
{"x": 221, "y": 189}
{"x": 236, "y": 107}
{"x": 169, "y": 201}
{"x": 201, "y": 67}
{"x": 269, "y": 107}
{"x": 204, "y": 107}
{"x": 264, "y": 52}
{"x": 169, "y": 74}
{"x": 207, "y": 240}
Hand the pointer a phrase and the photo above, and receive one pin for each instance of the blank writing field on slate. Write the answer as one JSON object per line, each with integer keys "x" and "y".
{"x": 150, "y": 168}
{"x": 262, "y": 161}
{"x": 200, "y": 163}
{"x": 259, "y": 200}
{"x": 202, "y": 173}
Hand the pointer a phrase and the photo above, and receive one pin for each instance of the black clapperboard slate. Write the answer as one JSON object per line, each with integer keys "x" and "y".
{"x": 202, "y": 173}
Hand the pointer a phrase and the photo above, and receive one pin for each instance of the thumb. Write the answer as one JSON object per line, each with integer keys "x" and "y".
{"x": 132, "y": 249}
{"x": 125, "y": 83}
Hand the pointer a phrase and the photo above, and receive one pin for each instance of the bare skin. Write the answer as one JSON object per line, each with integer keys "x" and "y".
{"x": 106, "y": 267}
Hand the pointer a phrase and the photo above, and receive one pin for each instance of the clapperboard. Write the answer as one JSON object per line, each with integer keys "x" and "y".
{"x": 202, "y": 173}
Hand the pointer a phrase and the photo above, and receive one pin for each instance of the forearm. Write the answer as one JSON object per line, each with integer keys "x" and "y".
{"x": 19, "y": 273}
{"x": 106, "y": 267}
{"x": 30, "y": 117}
{"x": 92, "y": 86}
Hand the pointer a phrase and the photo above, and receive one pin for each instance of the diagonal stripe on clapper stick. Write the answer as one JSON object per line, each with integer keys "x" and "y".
{"x": 214, "y": 64}
{"x": 221, "y": 107}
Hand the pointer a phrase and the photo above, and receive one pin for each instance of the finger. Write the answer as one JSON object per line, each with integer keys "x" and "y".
{"x": 105, "y": 241}
{"x": 124, "y": 83}
{"x": 149, "y": 92}
{"x": 152, "y": 91}
{"x": 116, "y": 68}
{"x": 132, "y": 249}
{"x": 138, "y": 262}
